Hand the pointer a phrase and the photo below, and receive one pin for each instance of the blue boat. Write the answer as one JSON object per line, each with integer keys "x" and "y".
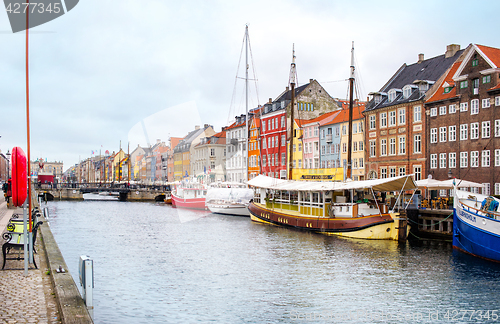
{"x": 476, "y": 225}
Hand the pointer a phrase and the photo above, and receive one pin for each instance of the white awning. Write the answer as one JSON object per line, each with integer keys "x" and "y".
{"x": 388, "y": 184}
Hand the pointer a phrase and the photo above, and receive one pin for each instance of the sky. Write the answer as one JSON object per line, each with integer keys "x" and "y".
{"x": 111, "y": 73}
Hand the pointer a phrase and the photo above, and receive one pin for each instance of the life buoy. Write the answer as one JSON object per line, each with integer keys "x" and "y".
{"x": 19, "y": 177}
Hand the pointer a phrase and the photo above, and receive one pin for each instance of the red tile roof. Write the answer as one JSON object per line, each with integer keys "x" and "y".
{"x": 343, "y": 116}
{"x": 492, "y": 53}
{"x": 439, "y": 94}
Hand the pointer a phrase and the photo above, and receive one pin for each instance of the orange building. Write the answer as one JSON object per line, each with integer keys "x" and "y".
{"x": 254, "y": 149}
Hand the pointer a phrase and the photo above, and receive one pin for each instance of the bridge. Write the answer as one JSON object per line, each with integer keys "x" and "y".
{"x": 75, "y": 191}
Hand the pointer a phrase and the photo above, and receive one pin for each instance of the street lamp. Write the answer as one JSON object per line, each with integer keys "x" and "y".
{"x": 8, "y": 163}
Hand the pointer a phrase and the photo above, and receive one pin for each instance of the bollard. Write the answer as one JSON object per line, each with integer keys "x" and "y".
{"x": 86, "y": 272}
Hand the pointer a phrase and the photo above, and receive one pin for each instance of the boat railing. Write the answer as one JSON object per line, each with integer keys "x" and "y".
{"x": 480, "y": 212}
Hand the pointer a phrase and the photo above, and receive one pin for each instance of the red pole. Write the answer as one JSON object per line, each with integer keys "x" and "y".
{"x": 28, "y": 116}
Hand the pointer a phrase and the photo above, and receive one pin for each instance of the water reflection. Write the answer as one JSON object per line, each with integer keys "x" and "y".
{"x": 157, "y": 264}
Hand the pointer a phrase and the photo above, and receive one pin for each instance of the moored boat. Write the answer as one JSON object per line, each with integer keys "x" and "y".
{"x": 189, "y": 195}
{"x": 476, "y": 225}
{"x": 229, "y": 199}
{"x": 104, "y": 195}
{"x": 324, "y": 207}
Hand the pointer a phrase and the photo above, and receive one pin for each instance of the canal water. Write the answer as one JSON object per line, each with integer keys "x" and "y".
{"x": 157, "y": 264}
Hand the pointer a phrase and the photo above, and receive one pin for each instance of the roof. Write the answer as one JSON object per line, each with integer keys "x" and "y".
{"x": 492, "y": 53}
{"x": 427, "y": 70}
{"x": 447, "y": 82}
{"x": 343, "y": 116}
{"x": 285, "y": 96}
{"x": 322, "y": 119}
{"x": 185, "y": 144}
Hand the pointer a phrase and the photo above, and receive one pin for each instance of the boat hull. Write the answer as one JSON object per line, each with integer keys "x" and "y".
{"x": 191, "y": 203}
{"x": 476, "y": 234}
{"x": 382, "y": 227}
{"x": 238, "y": 210}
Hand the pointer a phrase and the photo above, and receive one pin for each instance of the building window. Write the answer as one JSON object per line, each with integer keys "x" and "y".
{"x": 391, "y": 95}
{"x": 361, "y": 145}
{"x": 442, "y": 160}
{"x": 433, "y": 161}
{"x": 361, "y": 163}
{"x": 474, "y": 130}
{"x": 344, "y": 129}
{"x": 485, "y": 103}
{"x": 402, "y": 145}
{"x": 373, "y": 148}
{"x": 463, "y": 132}
{"x": 402, "y": 116}
{"x": 417, "y": 144}
{"x": 283, "y": 159}
{"x": 354, "y": 146}
{"x": 383, "y": 173}
{"x": 392, "y": 146}
{"x": 486, "y": 79}
{"x": 383, "y": 119}
{"x": 442, "y": 134}
{"x": 464, "y": 106}
{"x": 485, "y": 129}
{"x": 497, "y": 188}
{"x": 497, "y": 128}
{"x": 434, "y": 112}
{"x": 373, "y": 122}
{"x": 452, "y": 160}
{"x": 486, "y": 188}
{"x": 316, "y": 131}
{"x": 474, "y": 106}
{"x": 417, "y": 114}
{"x": 464, "y": 159}
{"x": 433, "y": 135}
{"x": 392, "y": 172}
{"x": 497, "y": 157}
{"x": 300, "y": 147}
{"x": 474, "y": 159}
{"x": 282, "y": 121}
{"x": 452, "y": 133}
{"x": 417, "y": 171}
{"x": 442, "y": 110}
{"x": 402, "y": 171}
{"x": 383, "y": 147}
{"x": 344, "y": 147}
{"x": 392, "y": 118}
{"x": 406, "y": 91}
{"x": 263, "y": 160}
{"x": 463, "y": 84}
{"x": 497, "y": 101}
{"x": 485, "y": 158}
{"x": 452, "y": 109}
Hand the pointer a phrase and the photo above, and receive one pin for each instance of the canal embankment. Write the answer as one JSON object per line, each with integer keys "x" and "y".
{"x": 43, "y": 295}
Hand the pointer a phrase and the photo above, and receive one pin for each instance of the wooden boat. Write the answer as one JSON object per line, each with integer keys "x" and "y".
{"x": 333, "y": 208}
{"x": 476, "y": 225}
{"x": 189, "y": 195}
{"x": 323, "y": 207}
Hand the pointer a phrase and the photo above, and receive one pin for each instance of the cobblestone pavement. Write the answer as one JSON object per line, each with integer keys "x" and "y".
{"x": 25, "y": 299}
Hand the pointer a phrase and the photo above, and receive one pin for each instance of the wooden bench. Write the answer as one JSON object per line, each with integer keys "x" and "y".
{"x": 14, "y": 237}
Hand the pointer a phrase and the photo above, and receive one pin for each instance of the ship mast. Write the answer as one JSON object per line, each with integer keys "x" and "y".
{"x": 349, "y": 129}
{"x": 246, "y": 103}
{"x": 292, "y": 80}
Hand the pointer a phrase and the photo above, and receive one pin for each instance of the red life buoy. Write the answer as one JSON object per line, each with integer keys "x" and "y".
{"x": 19, "y": 177}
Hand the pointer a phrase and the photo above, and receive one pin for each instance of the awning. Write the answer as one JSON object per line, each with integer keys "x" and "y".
{"x": 387, "y": 184}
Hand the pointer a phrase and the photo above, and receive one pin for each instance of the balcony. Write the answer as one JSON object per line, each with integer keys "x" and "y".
{"x": 328, "y": 138}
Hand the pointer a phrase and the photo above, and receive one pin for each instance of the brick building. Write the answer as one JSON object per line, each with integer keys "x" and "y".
{"x": 395, "y": 117}
{"x": 464, "y": 120}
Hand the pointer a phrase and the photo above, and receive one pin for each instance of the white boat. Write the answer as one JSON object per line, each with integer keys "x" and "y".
{"x": 104, "y": 195}
{"x": 229, "y": 199}
{"x": 476, "y": 225}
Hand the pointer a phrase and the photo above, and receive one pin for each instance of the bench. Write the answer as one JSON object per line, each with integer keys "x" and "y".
{"x": 14, "y": 237}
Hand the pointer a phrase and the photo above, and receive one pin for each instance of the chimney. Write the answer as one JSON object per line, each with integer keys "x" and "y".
{"x": 270, "y": 100}
{"x": 196, "y": 127}
{"x": 420, "y": 58}
{"x": 206, "y": 126}
{"x": 451, "y": 50}
{"x": 311, "y": 80}
{"x": 287, "y": 88}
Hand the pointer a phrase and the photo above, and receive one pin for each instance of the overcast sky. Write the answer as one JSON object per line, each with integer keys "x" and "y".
{"x": 111, "y": 71}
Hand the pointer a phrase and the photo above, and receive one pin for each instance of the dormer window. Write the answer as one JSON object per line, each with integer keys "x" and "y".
{"x": 406, "y": 92}
{"x": 391, "y": 95}
{"x": 447, "y": 89}
{"x": 475, "y": 61}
